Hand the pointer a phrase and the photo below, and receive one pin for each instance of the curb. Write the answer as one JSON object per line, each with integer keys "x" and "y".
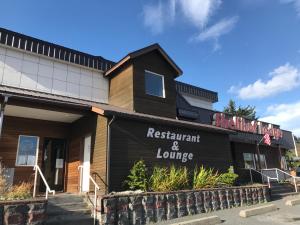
{"x": 211, "y": 220}
{"x": 293, "y": 202}
{"x": 257, "y": 210}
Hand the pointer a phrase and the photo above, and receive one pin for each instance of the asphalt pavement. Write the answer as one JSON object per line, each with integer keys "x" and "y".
{"x": 283, "y": 215}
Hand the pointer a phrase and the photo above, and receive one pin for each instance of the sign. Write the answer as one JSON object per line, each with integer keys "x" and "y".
{"x": 241, "y": 124}
{"x": 59, "y": 164}
{"x": 173, "y": 153}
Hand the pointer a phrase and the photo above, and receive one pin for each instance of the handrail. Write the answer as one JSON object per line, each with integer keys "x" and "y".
{"x": 96, "y": 188}
{"x": 268, "y": 178}
{"x": 294, "y": 177}
{"x": 48, "y": 190}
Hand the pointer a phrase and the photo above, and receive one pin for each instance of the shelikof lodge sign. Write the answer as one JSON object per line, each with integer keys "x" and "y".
{"x": 241, "y": 124}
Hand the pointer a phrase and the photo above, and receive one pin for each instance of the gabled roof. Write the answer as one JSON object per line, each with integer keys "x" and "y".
{"x": 143, "y": 51}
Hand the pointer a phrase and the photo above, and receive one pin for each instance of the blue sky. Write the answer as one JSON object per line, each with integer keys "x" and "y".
{"x": 247, "y": 50}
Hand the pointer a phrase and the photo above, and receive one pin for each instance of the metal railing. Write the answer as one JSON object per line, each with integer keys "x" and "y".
{"x": 262, "y": 177}
{"x": 282, "y": 176}
{"x": 48, "y": 190}
{"x": 96, "y": 188}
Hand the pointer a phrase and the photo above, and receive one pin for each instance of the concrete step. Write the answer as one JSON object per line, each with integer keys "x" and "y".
{"x": 66, "y": 206}
{"x": 58, "y": 212}
{"x": 68, "y": 209}
{"x": 70, "y": 220}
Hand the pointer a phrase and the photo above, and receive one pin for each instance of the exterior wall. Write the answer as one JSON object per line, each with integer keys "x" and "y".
{"x": 13, "y": 127}
{"x": 148, "y": 104}
{"x": 121, "y": 89}
{"x": 129, "y": 144}
{"x": 272, "y": 155}
{"x": 99, "y": 163}
{"x": 79, "y": 130}
{"x": 198, "y": 101}
{"x": 29, "y": 71}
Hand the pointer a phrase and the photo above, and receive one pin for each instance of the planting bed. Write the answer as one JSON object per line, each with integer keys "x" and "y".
{"x": 152, "y": 207}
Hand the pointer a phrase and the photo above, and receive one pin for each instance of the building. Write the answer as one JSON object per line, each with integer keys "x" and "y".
{"x": 74, "y": 114}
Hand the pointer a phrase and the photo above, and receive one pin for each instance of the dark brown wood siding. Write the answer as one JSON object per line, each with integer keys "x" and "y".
{"x": 129, "y": 144}
{"x": 272, "y": 155}
{"x": 148, "y": 104}
{"x": 13, "y": 127}
{"x": 98, "y": 163}
{"x": 121, "y": 88}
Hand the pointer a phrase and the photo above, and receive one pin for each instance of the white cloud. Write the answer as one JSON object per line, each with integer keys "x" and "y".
{"x": 199, "y": 11}
{"x": 287, "y": 115}
{"x": 220, "y": 28}
{"x": 296, "y": 4}
{"x": 282, "y": 79}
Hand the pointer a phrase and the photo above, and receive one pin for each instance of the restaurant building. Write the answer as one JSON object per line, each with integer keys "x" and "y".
{"x": 75, "y": 115}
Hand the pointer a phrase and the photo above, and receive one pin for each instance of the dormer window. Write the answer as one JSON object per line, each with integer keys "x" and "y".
{"x": 154, "y": 84}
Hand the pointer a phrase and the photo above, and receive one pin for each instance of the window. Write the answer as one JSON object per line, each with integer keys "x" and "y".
{"x": 249, "y": 160}
{"x": 27, "y": 150}
{"x": 263, "y": 162}
{"x": 154, "y": 84}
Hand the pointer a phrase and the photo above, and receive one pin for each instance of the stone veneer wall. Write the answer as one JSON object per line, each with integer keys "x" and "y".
{"x": 150, "y": 207}
{"x": 25, "y": 212}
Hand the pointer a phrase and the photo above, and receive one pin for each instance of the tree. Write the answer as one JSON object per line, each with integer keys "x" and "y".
{"x": 248, "y": 111}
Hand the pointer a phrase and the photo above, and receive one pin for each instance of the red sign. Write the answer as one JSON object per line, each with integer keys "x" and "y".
{"x": 241, "y": 124}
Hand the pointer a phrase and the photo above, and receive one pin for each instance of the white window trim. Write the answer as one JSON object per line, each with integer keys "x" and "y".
{"x": 253, "y": 158}
{"x": 36, "y": 154}
{"x": 163, "y": 84}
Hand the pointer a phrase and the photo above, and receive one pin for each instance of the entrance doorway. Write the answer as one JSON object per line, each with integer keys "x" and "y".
{"x": 53, "y": 163}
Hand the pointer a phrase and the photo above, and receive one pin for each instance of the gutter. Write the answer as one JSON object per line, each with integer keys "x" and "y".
{"x": 108, "y": 152}
{"x": 296, "y": 151}
{"x": 2, "y": 107}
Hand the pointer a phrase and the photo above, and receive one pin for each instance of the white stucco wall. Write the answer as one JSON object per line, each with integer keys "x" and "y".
{"x": 197, "y": 101}
{"x": 28, "y": 71}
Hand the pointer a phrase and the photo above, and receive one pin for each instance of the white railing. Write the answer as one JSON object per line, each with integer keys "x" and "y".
{"x": 281, "y": 176}
{"x": 262, "y": 176}
{"x": 96, "y": 188}
{"x": 48, "y": 190}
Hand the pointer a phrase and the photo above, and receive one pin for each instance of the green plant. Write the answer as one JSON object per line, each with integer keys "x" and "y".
{"x": 205, "y": 178}
{"x": 19, "y": 192}
{"x": 137, "y": 179}
{"x": 169, "y": 179}
{"x": 228, "y": 179}
{"x": 290, "y": 159}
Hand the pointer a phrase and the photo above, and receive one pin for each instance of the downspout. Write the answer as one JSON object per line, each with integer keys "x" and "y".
{"x": 108, "y": 152}
{"x": 2, "y": 107}
{"x": 296, "y": 150}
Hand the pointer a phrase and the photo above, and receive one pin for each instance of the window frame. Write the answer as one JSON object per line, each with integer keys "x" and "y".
{"x": 260, "y": 161}
{"x": 253, "y": 158}
{"x": 163, "y": 84}
{"x": 36, "y": 153}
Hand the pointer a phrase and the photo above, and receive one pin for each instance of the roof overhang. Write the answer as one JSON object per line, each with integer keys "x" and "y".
{"x": 111, "y": 111}
{"x": 142, "y": 52}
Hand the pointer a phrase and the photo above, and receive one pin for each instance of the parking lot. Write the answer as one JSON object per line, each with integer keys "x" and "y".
{"x": 283, "y": 215}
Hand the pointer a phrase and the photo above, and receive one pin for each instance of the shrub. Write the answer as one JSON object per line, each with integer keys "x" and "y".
{"x": 137, "y": 179}
{"x": 205, "y": 178}
{"x": 229, "y": 178}
{"x": 169, "y": 179}
{"x": 19, "y": 192}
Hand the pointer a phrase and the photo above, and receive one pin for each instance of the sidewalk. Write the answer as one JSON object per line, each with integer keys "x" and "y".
{"x": 284, "y": 215}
